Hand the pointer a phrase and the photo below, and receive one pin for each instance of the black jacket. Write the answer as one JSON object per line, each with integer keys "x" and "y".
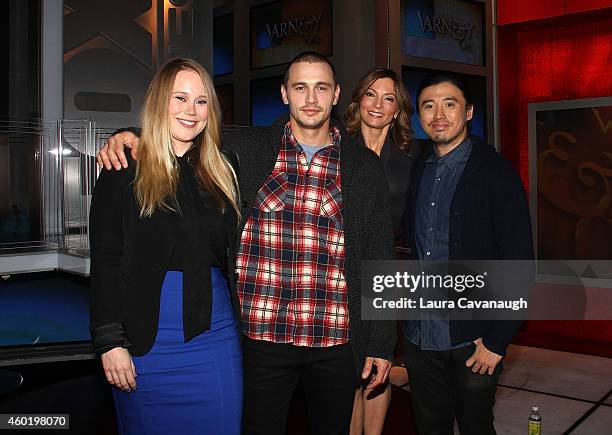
{"x": 129, "y": 259}
{"x": 397, "y": 165}
{"x": 489, "y": 220}
{"x": 367, "y": 219}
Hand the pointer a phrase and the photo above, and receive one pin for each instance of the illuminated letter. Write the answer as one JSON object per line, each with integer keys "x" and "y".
{"x": 604, "y": 128}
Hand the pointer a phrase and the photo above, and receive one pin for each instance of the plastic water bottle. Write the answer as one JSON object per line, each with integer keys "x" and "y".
{"x": 535, "y": 422}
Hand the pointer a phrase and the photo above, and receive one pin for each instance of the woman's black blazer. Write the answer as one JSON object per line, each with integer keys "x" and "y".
{"x": 129, "y": 258}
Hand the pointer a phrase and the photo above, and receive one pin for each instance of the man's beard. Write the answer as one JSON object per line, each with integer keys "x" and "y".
{"x": 314, "y": 126}
{"x": 446, "y": 141}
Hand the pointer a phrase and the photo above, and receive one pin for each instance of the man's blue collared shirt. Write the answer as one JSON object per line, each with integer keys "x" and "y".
{"x": 434, "y": 198}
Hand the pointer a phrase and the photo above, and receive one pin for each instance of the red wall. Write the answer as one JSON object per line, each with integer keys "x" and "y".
{"x": 559, "y": 58}
{"x": 556, "y": 59}
{"x": 518, "y": 11}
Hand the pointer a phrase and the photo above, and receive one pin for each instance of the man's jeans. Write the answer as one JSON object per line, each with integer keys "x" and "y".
{"x": 271, "y": 373}
{"x": 442, "y": 388}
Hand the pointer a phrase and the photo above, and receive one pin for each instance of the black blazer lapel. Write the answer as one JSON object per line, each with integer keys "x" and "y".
{"x": 475, "y": 160}
{"x": 347, "y": 167}
{"x": 275, "y": 134}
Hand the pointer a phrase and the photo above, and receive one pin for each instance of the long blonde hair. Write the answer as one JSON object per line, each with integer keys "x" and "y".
{"x": 157, "y": 168}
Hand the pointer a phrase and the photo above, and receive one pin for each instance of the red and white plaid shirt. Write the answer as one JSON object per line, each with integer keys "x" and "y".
{"x": 290, "y": 261}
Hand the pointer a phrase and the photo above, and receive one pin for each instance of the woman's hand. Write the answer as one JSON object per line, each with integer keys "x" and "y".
{"x": 112, "y": 154}
{"x": 383, "y": 367}
{"x": 119, "y": 368}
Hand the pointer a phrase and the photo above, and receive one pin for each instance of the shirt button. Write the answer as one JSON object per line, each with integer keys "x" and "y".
{"x": 303, "y": 200}
{"x": 428, "y": 253}
{"x": 433, "y": 204}
{"x": 438, "y": 179}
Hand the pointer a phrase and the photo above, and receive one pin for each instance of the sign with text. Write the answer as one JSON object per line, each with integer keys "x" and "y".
{"x": 281, "y": 30}
{"x": 451, "y": 30}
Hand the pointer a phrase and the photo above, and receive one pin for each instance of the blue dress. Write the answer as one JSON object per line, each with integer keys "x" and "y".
{"x": 192, "y": 387}
{"x": 187, "y": 388}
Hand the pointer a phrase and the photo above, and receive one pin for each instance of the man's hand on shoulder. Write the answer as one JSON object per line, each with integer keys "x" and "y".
{"x": 112, "y": 154}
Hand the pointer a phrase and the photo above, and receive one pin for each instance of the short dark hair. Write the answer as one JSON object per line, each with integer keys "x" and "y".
{"x": 310, "y": 57}
{"x": 437, "y": 78}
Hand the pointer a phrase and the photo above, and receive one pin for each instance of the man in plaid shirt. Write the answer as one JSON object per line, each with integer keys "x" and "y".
{"x": 291, "y": 256}
{"x": 314, "y": 205}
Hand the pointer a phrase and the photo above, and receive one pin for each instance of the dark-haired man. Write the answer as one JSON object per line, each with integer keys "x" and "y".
{"x": 314, "y": 205}
{"x": 465, "y": 202}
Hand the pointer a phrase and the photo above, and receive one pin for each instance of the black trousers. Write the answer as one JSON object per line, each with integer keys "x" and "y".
{"x": 271, "y": 373}
{"x": 443, "y": 388}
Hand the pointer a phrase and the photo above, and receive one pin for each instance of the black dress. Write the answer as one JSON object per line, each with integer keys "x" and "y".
{"x": 397, "y": 166}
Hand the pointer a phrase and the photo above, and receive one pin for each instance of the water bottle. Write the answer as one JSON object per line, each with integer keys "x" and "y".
{"x": 535, "y": 422}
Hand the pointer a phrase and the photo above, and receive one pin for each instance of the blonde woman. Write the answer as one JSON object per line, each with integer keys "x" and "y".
{"x": 163, "y": 313}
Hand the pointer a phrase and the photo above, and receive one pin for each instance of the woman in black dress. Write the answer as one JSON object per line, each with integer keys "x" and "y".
{"x": 379, "y": 113}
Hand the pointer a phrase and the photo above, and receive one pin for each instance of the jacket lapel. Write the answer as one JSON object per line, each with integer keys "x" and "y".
{"x": 347, "y": 165}
{"x": 274, "y": 143}
{"x": 476, "y": 159}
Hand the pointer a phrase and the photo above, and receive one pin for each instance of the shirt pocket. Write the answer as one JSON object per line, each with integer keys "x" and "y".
{"x": 331, "y": 202}
{"x": 273, "y": 194}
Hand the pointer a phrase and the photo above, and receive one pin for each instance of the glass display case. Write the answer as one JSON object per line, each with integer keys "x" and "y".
{"x": 48, "y": 174}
